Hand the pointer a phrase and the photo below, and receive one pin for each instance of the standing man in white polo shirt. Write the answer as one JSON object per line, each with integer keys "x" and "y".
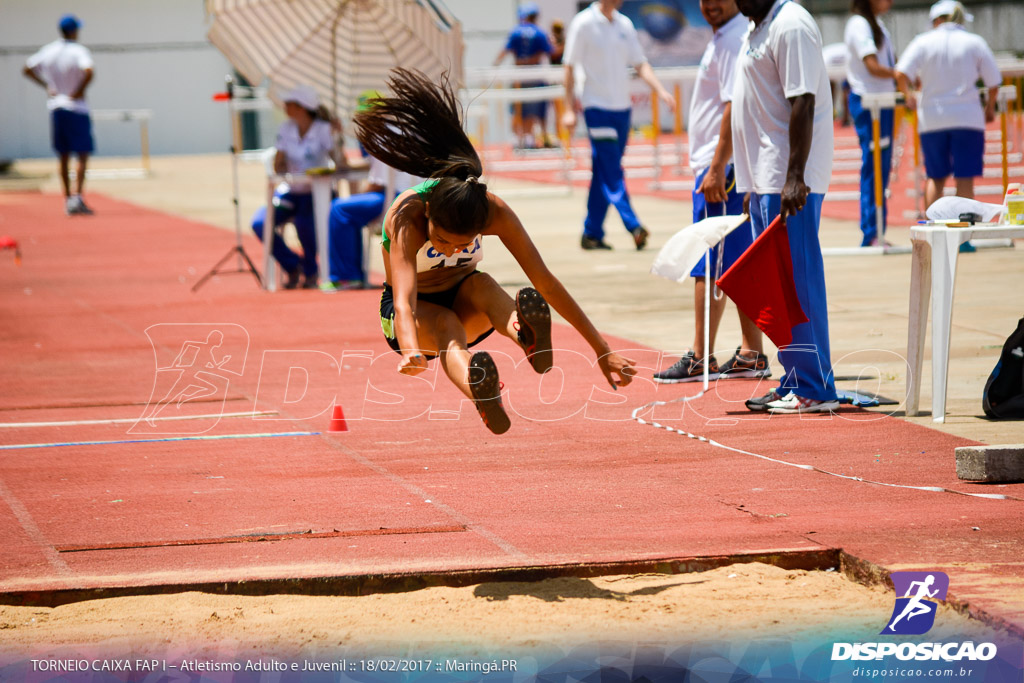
{"x": 603, "y": 43}
{"x": 65, "y": 69}
{"x": 782, "y": 148}
{"x": 715, "y": 194}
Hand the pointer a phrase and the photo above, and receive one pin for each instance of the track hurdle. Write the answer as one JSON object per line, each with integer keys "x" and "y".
{"x": 142, "y": 116}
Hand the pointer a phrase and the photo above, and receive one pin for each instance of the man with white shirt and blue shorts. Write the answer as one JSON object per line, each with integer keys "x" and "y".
{"x": 949, "y": 60}
{"x": 715, "y": 194}
{"x": 603, "y": 43}
{"x": 783, "y": 147}
{"x": 65, "y": 69}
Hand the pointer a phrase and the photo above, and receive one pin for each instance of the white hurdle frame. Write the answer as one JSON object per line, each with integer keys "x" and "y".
{"x": 143, "y": 116}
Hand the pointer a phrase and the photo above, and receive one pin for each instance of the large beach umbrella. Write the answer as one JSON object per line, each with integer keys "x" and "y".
{"x": 340, "y": 47}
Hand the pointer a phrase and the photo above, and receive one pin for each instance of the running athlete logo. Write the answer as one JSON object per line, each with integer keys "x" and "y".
{"x": 194, "y": 365}
{"x": 914, "y": 613}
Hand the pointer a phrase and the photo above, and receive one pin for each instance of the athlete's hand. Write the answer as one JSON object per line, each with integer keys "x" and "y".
{"x": 412, "y": 363}
{"x": 569, "y": 120}
{"x": 794, "y": 196}
{"x": 668, "y": 99}
{"x": 613, "y": 365}
{"x": 713, "y": 186}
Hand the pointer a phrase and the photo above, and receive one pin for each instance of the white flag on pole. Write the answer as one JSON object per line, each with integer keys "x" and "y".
{"x": 684, "y": 249}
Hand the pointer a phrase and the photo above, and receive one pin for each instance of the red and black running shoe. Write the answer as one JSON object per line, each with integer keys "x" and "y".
{"x": 486, "y": 389}
{"x": 535, "y": 328}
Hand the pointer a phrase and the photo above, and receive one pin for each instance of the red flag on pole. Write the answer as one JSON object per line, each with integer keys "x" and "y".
{"x": 761, "y": 284}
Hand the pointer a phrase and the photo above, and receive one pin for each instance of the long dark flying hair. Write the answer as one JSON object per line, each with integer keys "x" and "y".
{"x": 863, "y": 8}
{"x": 418, "y": 130}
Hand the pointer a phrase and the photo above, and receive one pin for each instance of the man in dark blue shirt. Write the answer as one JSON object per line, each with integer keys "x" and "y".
{"x": 528, "y": 44}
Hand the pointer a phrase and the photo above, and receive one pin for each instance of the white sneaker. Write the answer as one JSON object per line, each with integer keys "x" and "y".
{"x": 76, "y": 207}
{"x": 791, "y": 403}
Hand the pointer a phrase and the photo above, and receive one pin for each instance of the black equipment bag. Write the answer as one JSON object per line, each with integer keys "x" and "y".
{"x": 1004, "y": 391}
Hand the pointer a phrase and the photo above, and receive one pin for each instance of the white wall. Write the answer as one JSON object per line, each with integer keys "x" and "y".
{"x": 153, "y": 54}
{"x": 999, "y": 25}
{"x": 485, "y": 25}
{"x": 149, "y": 54}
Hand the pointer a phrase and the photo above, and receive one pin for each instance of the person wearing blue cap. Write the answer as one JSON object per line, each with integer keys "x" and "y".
{"x": 528, "y": 43}
{"x": 65, "y": 69}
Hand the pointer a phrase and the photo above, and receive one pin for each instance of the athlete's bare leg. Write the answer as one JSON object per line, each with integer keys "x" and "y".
{"x": 482, "y": 303}
{"x": 933, "y": 188}
{"x": 965, "y": 187}
{"x": 717, "y": 309}
{"x": 64, "y": 161}
{"x": 83, "y": 161}
{"x": 441, "y": 333}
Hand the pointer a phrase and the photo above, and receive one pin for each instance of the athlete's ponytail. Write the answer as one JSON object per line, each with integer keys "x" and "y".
{"x": 418, "y": 130}
{"x": 863, "y": 8}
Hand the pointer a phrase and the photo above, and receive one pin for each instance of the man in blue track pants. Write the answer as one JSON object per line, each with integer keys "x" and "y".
{"x": 603, "y": 43}
{"x": 348, "y": 217}
{"x": 782, "y": 150}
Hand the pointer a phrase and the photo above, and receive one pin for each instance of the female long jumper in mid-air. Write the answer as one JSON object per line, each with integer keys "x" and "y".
{"x": 434, "y": 297}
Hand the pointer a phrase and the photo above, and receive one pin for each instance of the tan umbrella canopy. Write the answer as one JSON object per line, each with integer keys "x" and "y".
{"x": 340, "y": 47}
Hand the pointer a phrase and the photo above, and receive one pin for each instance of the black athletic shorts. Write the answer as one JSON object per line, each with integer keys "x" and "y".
{"x": 445, "y": 299}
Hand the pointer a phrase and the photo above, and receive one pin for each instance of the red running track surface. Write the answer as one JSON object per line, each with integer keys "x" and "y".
{"x": 94, "y": 324}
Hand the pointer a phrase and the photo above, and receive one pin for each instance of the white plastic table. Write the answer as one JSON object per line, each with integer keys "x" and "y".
{"x": 322, "y": 187}
{"x": 933, "y": 275}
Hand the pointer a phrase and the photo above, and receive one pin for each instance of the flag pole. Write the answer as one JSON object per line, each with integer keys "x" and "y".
{"x": 707, "y": 316}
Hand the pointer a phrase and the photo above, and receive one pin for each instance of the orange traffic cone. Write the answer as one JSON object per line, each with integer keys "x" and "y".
{"x": 338, "y": 423}
{"x": 8, "y": 242}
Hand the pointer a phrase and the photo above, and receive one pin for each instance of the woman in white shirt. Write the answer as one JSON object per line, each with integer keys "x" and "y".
{"x": 869, "y": 70}
{"x": 948, "y": 61}
{"x": 305, "y": 141}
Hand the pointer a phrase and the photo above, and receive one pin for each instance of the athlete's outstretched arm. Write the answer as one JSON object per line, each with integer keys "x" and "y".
{"x": 507, "y": 226}
{"x": 407, "y": 238}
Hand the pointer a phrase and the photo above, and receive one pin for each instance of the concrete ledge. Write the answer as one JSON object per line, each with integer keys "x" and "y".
{"x": 990, "y": 463}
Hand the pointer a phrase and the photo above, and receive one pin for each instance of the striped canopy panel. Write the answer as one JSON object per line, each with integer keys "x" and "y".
{"x": 340, "y": 47}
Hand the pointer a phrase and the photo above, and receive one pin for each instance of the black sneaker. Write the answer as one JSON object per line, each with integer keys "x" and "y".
{"x": 687, "y": 369}
{"x": 486, "y": 390}
{"x": 534, "y": 328}
{"x": 741, "y": 366}
{"x": 84, "y": 210}
{"x": 292, "y": 279}
{"x": 760, "y": 404}
{"x": 640, "y": 235}
{"x": 589, "y": 243}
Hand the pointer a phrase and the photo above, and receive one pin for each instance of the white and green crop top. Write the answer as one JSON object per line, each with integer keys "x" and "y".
{"x": 428, "y": 258}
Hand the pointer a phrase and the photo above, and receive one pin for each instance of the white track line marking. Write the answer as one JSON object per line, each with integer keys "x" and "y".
{"x": 132, "y": 420}
{"x": 683, "y": 399}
